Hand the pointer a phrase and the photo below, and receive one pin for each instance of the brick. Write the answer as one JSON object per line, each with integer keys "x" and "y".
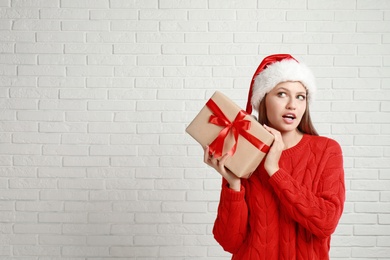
{"x": 135, "y": 185}
{"x": 356, "y": 38}
{"x": 114, "y": 14}
{"x": 160, "y": 218}
{"x": 237, "y": 49}
{"x": 317, "y": 4}
{"x": 90, "y": 116}
{"x": 84, "y": 229}
{"x": 63, "y": 82}
{"x": 90, "y": 206}
{"x": 211, "y": 15}
{"x": 18, "y": 59}
{"x": 18, "y": 240}
{"x": 134, "y": 139}
{"x": 33, "y": 183}
{"x": 118, "y": 229}
{"x": 123, "y": 60}
{"x": 51, "y": 116}
{"x": 232, "y": 26}
{"x": 20, "y": 36}
{"x": 113, "y": 150}
{"x": 37, "y": 228}
{"x": 138, "y": 48}
{"x": 371, "y": 252}
{"x": 263, "y": 37}
{"x": 110, "y": 196}
{"x": 85, "y": 251}
{"x": 89, "y": 71}
{"x": 163, "y": 14}
{"x": 43, "y": 70}
{"x": 26, "y": 149}
{"x": 384, "y": 219}
{"x": 64, "y": 14}
{"x": 369, "y": 219}
{"x": 62, "y": 217}
{"x": 83, "y": 93}
{"x": 85, "y": 25}
{"x": 183, "y": 26}
{"x": 33, "y": 138}
{"x": 117, "y": 127}
{"x": 62, "y": 240}
{"x": 133, "y": 4}
{"x": 378, "y": 117}
{"x": 36, "y": 250}
{"x": 232, "y": 5}
{"x": 110, "y": 172}
{"x": 138, "y": 207}
{"x": 114, "y": 105}
{"x": 137, "y": 117}
{"x": 47, "y": 59}
{"x": 35, "y": 25}
{"x": 113, "y": 37}
{"x": 85, "y": 161}
{"x": 352, "y": 129}
{"x": 198, "y": 218}
{"x": 134, "y": 26}
{"x": 36, "y": 160}
{"x": 64, "y": 150}
{"x": 127, "y": 252}
{"x": 177, "y": 4}
{"x": 19, "y": 217}
{"x": 187, "y": 48}
{"x": 63, "y": 195}
{"x": 378, "y": 50}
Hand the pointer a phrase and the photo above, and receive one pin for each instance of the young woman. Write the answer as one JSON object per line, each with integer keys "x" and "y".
{"x": 292, "y": 203}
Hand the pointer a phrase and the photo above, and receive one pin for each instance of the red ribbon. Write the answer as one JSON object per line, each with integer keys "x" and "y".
{"x": 239, "y": 126}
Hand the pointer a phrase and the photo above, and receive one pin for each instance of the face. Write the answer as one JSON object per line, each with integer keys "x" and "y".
{"x": 286, "y": 103}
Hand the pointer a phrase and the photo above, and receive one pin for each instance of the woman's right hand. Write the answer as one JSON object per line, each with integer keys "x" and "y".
{"x": 219, "y": 166}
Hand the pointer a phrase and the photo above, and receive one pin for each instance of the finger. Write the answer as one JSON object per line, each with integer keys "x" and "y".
{"x": 222, "y": 161}
{"x": 206, "y": 154}
{"x": 269, "y": 129}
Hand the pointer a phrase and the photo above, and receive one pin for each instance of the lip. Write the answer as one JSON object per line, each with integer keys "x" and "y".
{"x": 289, "y": 118}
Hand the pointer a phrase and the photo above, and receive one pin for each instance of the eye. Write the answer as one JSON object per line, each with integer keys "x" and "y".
{"x": 282, "y": 94}
{"x": 301, "y": 97}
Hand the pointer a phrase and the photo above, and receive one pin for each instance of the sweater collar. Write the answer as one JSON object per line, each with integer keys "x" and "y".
{"x": 298, "y": 147}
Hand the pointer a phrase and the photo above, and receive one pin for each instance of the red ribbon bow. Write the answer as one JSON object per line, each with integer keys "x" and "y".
{"x": 238, "y": 127}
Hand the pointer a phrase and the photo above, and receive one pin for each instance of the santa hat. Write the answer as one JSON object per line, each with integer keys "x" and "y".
{"x": 273, "y": 70}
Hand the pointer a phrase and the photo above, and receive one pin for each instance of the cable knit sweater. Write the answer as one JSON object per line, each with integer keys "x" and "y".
{"x": 290, "y": 215}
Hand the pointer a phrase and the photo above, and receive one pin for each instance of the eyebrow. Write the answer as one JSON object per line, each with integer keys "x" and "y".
{"x": 287, "y": 90}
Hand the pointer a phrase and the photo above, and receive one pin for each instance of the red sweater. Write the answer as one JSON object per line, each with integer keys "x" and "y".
{"x": 290, "y": 215}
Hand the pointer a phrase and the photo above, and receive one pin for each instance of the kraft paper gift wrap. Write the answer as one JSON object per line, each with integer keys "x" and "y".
{"x": 226, "y": 128}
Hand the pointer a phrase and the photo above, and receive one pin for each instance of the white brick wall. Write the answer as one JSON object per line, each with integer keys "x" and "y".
{"x": 95, "y": 97}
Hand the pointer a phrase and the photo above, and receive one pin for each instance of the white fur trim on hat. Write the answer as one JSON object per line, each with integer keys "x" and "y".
{"x": 282, "y": 71}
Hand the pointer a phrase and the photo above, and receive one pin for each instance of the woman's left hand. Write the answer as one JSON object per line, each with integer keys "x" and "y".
{"x": 271, "y": 163}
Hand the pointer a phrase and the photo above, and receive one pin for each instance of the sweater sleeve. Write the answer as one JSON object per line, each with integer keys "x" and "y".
{"x": 317, "y": 211}
{"x": 230, "y": 227}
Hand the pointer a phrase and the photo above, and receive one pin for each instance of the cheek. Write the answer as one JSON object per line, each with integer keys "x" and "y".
{"x": 303, "y": 108}
{"x": 272, "y": 110}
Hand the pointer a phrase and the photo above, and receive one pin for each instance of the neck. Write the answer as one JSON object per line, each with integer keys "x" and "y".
{"x": 291, "y": 138}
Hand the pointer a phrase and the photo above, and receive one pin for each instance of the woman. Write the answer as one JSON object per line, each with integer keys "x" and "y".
{"x": 292, "y": 203}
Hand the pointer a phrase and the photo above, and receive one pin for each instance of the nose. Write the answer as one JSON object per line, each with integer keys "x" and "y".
{"x": 291, "y": 104}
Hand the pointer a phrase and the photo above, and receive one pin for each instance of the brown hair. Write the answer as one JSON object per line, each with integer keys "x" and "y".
{"x": 305, "y": 126}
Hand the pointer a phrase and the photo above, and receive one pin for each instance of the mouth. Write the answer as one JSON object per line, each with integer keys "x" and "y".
{"x": 289, "y": 116}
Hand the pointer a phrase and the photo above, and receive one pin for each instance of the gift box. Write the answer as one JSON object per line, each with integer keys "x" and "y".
{"x": 226, "y": 128}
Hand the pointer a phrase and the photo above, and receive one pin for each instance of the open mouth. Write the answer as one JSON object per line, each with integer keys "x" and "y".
{"x": 289, "y": 116}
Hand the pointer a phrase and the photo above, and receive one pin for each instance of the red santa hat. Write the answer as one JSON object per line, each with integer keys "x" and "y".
{"x": 273, "y": 70}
